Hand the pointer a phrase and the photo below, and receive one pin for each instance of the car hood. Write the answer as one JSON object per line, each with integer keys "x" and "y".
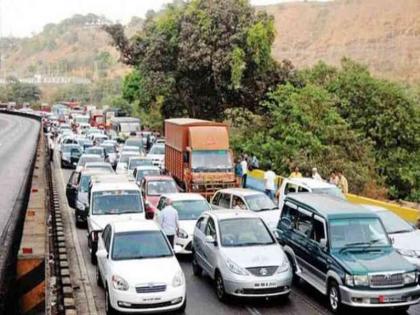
{"x": 187, "y": 225}
{"x": 255, "y": 256}
{"x": 409, "y": 240}
{"x": 99, "y": 222}
{"x": 270, "y": 217}
{"x": 363, "y": 261}
{"x": 147, "y": 271}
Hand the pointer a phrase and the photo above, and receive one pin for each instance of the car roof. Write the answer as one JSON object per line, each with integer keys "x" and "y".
{"x": 329, "y": 206}
{"x": 90, "y": 156}
{"x": 134, "y": 225}
{"x": 310, "y": 182}
{"x": 93, "y": 171}
{"x": 183, "y": 196}
{"x": 240, "y": 191}
{"x": 147, "y": 167}
{"x": 375, "y": 208}
{"x": 97, "y": 164}
{"x": 110, "y": 178}
{"x": 115, "y": 186}
{"x": 231, "y": 214}
{"x": 139, "y": 157}
{"x": 157, "y": 177}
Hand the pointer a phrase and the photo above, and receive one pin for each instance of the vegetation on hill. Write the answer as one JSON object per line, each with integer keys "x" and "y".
{"x": 214, "y": 61}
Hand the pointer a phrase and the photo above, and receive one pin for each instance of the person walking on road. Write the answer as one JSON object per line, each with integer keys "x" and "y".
{"x": 315, "y": 174}
{"x": 295, "y": 173}
{"x": 269, "y": 182}
{"x": 342, "y": 183}
{"x": 168, "y": 220}
{"x": 244, "y": 165}
{"x": 51, "y": 147}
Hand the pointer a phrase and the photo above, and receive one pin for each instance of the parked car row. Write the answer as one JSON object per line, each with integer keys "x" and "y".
{"x": 358, "y": 256}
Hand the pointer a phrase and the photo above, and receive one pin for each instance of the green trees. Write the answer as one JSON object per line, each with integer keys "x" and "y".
{"x": 15, "y": 91}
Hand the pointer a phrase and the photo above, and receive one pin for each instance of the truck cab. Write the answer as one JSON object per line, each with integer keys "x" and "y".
{"x": 343, "y": 251}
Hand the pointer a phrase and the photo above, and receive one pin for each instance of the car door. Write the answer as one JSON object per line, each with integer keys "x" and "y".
{"x": 106, "y": 235}
{"x": 71, "y": 189}
{"x": 199, "y": 239}
{"x": 210, "y": 250}
{"x": 302, "y": 228}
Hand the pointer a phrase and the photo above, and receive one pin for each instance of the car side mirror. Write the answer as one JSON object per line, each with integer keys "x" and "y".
{"x": 102, "y": 253}
{"x": 323, "y": 244}
{"x": 210, "y": 240}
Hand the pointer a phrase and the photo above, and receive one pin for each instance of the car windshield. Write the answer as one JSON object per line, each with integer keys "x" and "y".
{"x": 109, "y": 149}
{"x": 393, "y": 223}
{"x": 134, "y": 143}
{"x": 69, "y": 148}
{"x": 97, "y": 151}
{"x": 159, "y": 187}
{"x": 354, "y": 232}
{"x": 214, "y": 160}
{"x": 130, "y": 127}
{"x": 140, "y": 245}
{"x": 244, "y": 232}
{"x": 140, "y": 162}
{"x": 116, "y": 202}
{"x": 157, "y": 150}
{"x": 190, "y": 209}
{"x": 125, "y": 157}
{"x": 84, "y": 183}
{"x": 332, "y": 191}
{"x": 260, "y": 202}
{"x": 152, "y": 172}
{"x": 86, "y": 159}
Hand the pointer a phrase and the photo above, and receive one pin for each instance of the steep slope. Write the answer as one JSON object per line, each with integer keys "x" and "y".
{"x": 384, "y": 34}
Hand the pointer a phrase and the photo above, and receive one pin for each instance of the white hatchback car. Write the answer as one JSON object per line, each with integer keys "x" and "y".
{"x": 139, "y": 270}
{"x": 189, "y": 207}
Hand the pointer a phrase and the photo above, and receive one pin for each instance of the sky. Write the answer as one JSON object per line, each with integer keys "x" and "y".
{"x": 23, "y": 17}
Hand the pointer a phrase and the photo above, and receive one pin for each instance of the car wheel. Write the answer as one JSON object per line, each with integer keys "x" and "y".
{"x": 108, "y": 307}
{"x": 79, "y": 224}
{"x": 98, "y": 278}
{"x": 197, "y": 271}
{"x": 93, "y": 259}
{"x": 334, "y": 299}
{"x": 220, "y": 287}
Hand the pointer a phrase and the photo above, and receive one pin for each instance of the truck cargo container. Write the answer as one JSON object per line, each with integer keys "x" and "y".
{"x": 197, "y": 155}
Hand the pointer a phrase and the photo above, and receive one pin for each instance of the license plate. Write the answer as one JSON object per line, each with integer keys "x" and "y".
{"x": 265, "y": 285}
{"x": 152, "y": 299}
{"x": 390, "y": 299}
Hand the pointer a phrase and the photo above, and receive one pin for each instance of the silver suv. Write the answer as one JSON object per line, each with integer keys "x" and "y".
{"x": 240, "y": 254}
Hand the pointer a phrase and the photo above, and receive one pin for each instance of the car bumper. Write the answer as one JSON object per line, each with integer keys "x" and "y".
{"x": 183, "y": 246}
{"x": 260, "y": 286}
{"x": 132, "y": 302}
{"x": 380, "y": 298}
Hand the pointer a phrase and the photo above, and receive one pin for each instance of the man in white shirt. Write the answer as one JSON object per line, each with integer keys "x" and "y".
{"x": 244, "y": 165}
{"x": 269, "y": 182}
{"x": 51, "y": 146}
{"x": 315, "y": 174}
{"x": 168, "y": 220}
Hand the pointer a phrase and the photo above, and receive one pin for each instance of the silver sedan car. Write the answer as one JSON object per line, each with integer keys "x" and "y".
{"x": 237, "y": 250}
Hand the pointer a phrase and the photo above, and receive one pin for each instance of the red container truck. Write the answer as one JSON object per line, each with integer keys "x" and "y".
{"x": 197, "y": 155}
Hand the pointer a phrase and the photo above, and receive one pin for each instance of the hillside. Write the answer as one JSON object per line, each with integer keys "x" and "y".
{"x": 75, "y": 47}
{"x": 384, "y": 34}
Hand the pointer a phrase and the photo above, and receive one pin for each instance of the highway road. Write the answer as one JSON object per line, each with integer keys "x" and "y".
{"x": 18, "y": 136}
{"x": 202, "y": 300}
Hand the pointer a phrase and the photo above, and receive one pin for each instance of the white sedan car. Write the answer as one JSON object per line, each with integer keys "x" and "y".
{"x": 189, "y": 206}
{"x": 405, "y": 237}
{"x": 139, "y": 270}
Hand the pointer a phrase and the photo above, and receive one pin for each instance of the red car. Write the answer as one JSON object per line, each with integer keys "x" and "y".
{"x": 152, "y": 187}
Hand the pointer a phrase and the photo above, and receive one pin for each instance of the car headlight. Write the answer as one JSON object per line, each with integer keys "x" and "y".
{"x": 284, "y": 266}
{"x": 357, "y": 280}
{"x": 119, "y": 283}
{"x": 182, "y": 234}
{"x": 234, "y": 268}
{"x": 407, "y": 252}
{"x": 178, "y": 279}
{"x": 410, "y": 277}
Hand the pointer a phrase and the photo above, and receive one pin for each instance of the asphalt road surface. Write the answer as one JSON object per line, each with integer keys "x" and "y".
{"x": 18, "y": 136}
{"x": 202, "y": 300}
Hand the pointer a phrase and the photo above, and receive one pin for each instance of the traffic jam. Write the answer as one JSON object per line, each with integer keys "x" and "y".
{"x": 146, "y": 200}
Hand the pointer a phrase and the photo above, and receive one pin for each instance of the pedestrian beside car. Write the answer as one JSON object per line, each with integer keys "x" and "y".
{"x": 269, "y": 182}
{"x": 244, "y": 164}
{"x": 295, "y": 173}
{"x": 315, "y": 174}
{"x": 342, "y": 183}
{"x": 168, "y": 221}
{"x": 333, "y": 178}
{"x": 238, "y": 171}
{"x": 254, "y": 162}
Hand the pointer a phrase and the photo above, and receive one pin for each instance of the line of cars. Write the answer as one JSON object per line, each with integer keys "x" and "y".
{"x": 255, "y": 249}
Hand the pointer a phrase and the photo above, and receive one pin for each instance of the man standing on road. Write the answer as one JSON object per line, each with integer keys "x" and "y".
{"x": 168, "y": 220}
{"x": 342, "y": 183}
{"x": 244, "y": 165}
{"x": 269, "y": 182}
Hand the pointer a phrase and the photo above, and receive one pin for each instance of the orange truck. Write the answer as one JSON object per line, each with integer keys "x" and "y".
{"x": 198, "y": 156}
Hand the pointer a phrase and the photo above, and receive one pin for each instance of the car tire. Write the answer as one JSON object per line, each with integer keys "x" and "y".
{"x": 79, "y": 224}
{"x": 334, "y": 298}
{"x": 98, "y": 278}
{"x": 197, "y": 270}
{"x": 220, "y": 287}
{"x": 109, "y": 310}
{"x": 93, "y": 258}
